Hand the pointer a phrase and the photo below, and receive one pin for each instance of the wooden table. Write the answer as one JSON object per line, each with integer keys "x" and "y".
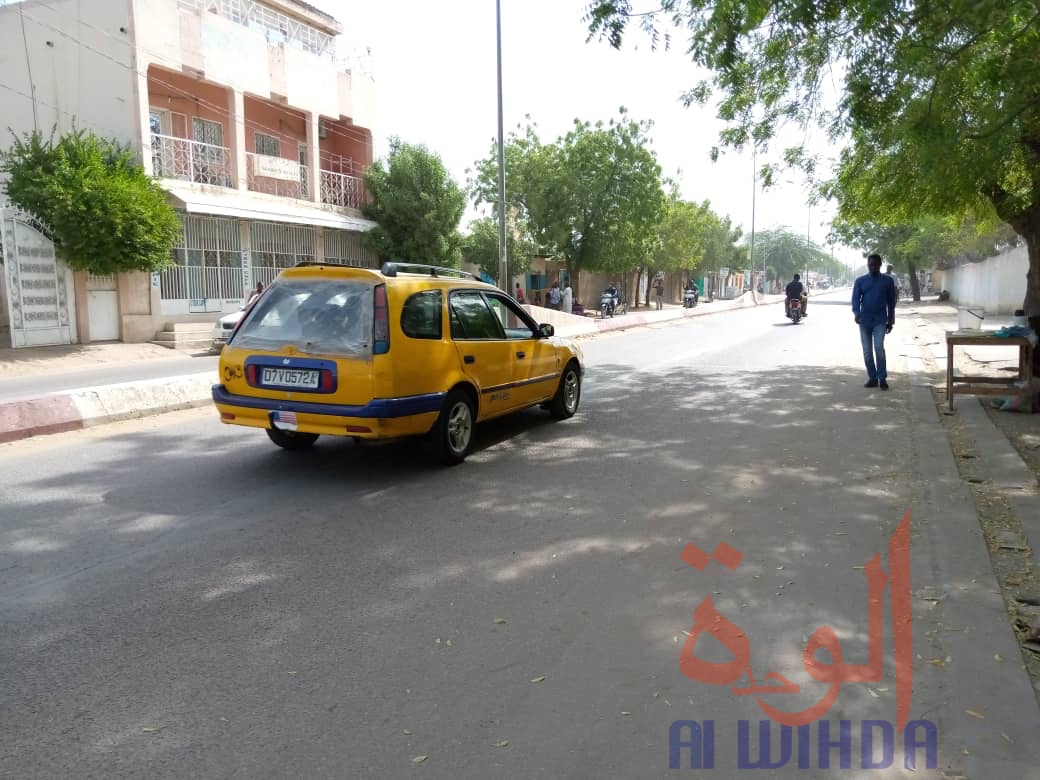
{"x": 986, "y": 385}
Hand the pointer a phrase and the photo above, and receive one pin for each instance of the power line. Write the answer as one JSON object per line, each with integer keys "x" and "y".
{"x": 28, "y": 66}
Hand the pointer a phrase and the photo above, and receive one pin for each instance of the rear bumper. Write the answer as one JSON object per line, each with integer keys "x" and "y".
{"x": 378, "y": 419}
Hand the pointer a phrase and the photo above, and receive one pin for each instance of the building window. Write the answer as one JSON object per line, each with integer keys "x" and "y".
{"x": 269, "y": 145}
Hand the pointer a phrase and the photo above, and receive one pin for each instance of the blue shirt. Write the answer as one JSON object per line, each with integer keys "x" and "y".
{"x": 874, "y": 299}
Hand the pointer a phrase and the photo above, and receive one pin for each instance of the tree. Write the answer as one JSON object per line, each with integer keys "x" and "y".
{"x": 105, "y": 214}
{"x": 929, "y": 242}
{"x": 937, "y": 101}
{"x": 592, "y": 198}
{"x": 416, "y": 206}
{"x": 480, "y": 247}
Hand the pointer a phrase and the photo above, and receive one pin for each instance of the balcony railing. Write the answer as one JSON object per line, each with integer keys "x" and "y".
{"x": 182, "y": 158}
{"x": 277, "y": 176}
{"x": 339, "y": 189}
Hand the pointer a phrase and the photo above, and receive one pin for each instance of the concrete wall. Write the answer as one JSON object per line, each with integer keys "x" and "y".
{"x": 997, "y": 284}
{"x": 80, "y": 58}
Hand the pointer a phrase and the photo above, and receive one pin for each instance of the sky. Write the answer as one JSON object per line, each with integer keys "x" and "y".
{"x": 435, "y": 70}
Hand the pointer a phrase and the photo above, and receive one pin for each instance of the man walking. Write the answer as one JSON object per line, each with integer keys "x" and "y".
{"x": 874, "y": 307}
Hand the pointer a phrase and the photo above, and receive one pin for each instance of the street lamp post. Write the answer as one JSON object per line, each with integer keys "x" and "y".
{"x": 754, "y": 188}
{"x": 503, "y": 268}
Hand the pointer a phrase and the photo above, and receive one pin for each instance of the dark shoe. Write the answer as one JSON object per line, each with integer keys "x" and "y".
{"x": 871, "y": 383}
{"x": 884, "y": 385}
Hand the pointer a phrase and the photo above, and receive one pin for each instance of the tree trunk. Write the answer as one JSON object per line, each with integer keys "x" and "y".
{"x": 1031, "y": 304}
{"x": 915, "y": 286}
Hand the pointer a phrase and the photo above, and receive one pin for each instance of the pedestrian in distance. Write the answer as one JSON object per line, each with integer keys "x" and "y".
{"x": 555, "y": 296}
{"x": 253, "y": 295}
{"x": 567, "y": 298}
{"x": 874, "y": 307}
{"x": 519, "y": 294}
{"x": 659, "y": 292}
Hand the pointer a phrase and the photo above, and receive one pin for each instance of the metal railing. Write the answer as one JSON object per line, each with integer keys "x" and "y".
{"x": 182, "y": 158}
{"x": 339, "y": 189}
{"x": 189, "y": 282}
{"x": 276, "y": 26}
{"x": 275, "y": 185}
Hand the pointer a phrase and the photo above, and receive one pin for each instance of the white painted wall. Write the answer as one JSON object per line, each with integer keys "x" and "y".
{"x": 80, "y": 63}
{"x": 997, "y": 284}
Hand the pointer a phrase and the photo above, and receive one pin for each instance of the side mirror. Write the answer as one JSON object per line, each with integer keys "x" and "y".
{"x": 546, "y": 330}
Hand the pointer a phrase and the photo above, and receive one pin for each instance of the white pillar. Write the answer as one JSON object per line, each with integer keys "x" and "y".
{"x": 237, "y": 119}
{"x": 314, "y": 163}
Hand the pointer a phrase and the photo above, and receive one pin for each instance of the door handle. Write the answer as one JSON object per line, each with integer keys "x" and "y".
{"x": 469, "y": 359}
{"x": 521, "y": 355}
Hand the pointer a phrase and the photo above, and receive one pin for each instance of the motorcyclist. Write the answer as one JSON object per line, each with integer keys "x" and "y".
{"x": 794, "y": 292}
{"x": 615, "y": 296}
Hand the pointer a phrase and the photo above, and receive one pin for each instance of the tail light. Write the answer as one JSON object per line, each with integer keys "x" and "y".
{"x": 251, "y": 375}
{"x": 381, "y": 323}
{"x": 326, "y": 381}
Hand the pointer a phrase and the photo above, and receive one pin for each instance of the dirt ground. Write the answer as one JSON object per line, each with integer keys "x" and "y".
{"x": 1010, "y": 551}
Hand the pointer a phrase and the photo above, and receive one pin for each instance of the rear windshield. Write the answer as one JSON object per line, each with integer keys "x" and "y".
{"x": 317, "y": 316}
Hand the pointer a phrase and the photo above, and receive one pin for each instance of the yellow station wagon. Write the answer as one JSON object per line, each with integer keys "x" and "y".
{"x": 411, "y": 350}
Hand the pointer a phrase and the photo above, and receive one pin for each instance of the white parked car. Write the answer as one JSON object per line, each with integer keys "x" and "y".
{"x": 223, "y": 327}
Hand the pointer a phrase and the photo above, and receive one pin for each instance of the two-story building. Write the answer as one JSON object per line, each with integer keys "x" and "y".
{"x": 241, "y": 109}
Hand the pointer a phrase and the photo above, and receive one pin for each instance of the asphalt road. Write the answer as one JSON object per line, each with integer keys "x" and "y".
{"x": 16, "y": 387}
{"x": 182, "y": 599}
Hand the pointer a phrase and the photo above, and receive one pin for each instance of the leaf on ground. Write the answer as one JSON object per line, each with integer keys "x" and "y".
{"x": 998, "y": 657}
{"x": 625, "y": 712}
{"x": 539, "y": 679}
{"x": 419, "y": 759}
{"x": 291, "y": 674}
{"x": 500, "y": 621}
{"x": 149, "y": 729}
{"x": 407, "y": 732}
{"x": 1006, "y": 737}
{"x": 448, "y": 643}
{"x": 975, "y": 714}
{"x": 503, "y": 743}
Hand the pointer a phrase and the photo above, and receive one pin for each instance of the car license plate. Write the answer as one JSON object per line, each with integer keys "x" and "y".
{"x": 290, "y": 377}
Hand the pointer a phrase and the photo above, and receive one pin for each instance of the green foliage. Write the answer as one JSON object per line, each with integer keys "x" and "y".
{"x": 937, "y": 101}
{"x": 480, "y": 247}
{"x": 784, "y": 254}
{"x": 105, "y": 214}
{"x": 593, "y": 198}
{"x": 416, "y": 206}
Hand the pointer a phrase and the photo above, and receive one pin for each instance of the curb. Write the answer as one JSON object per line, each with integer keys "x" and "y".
{"x": 92, "y": 406}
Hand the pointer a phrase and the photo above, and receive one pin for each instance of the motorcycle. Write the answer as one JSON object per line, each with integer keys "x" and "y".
{"x": 609, "y": 303}
{"x": 794, "y": 310}
{"x": 689, "y": 298}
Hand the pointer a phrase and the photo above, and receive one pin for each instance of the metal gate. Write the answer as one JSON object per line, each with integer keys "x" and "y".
{"x": 39, "y": 304}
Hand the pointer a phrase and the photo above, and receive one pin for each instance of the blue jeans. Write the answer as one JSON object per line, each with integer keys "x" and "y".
{"x": 873, "y": 340}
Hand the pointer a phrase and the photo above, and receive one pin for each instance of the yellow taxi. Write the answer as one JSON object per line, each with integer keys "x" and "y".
{"x": 408, "y": 350}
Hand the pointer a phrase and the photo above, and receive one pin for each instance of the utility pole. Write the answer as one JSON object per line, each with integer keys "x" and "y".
{"x": 754, "y": 188}
{"x": 503, "y": 265}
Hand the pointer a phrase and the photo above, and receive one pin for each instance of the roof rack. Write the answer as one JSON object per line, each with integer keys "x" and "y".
{"x": 392, "y": 269}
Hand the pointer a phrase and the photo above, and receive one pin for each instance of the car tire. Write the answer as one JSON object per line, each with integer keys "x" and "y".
{"x": 568, "y": 394}
{"x": 453, "y": 433}
{"x": 292, "y": 440}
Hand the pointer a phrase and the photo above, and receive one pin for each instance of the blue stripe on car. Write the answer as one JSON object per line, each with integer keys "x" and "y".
{"x": 378, "y": 407}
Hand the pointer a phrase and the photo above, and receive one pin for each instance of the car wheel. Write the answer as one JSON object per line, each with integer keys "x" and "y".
{"x": 453, "y": 433}
{"x": 291, "y": 440}
{"x": 568, "y": 394}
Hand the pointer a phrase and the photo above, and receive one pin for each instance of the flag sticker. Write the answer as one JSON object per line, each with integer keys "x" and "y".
{"x": 284, "y": 420}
